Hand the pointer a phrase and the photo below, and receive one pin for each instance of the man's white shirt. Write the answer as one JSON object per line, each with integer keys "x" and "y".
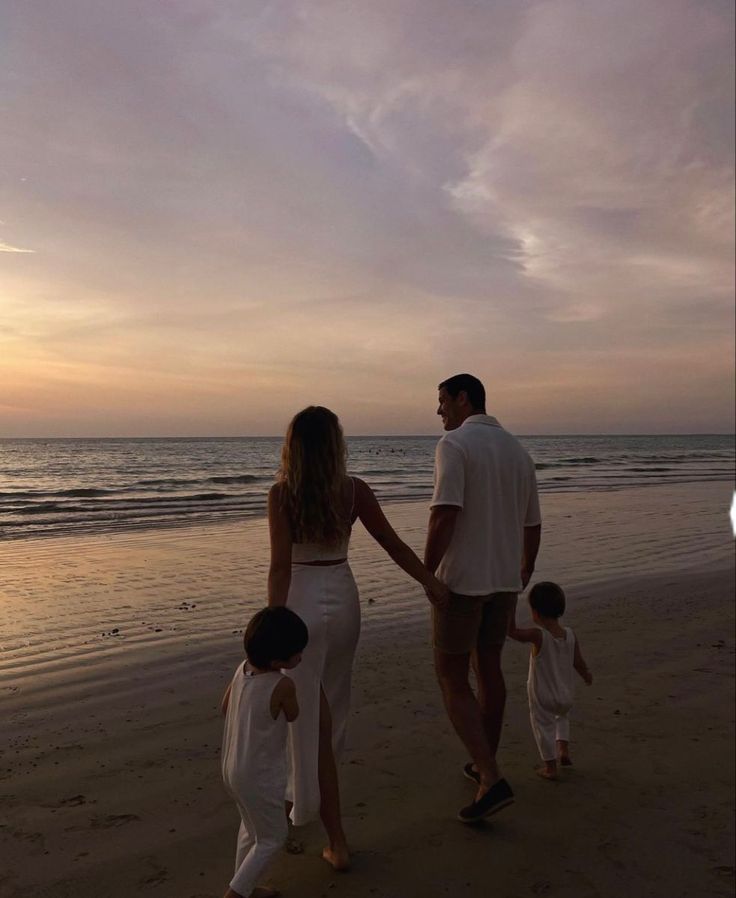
{"x": 485, "y": 471}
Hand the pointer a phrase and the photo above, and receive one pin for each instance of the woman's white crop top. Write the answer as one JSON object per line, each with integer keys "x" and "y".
{"x": 301, "y": 553}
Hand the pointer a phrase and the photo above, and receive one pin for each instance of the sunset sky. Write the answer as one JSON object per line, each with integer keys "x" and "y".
{"x": 213, "y": 213}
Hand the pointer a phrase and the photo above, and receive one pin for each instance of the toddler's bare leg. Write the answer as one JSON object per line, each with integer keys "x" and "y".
{"x": 549, "y": 771}
{"x": 563, "y": 753}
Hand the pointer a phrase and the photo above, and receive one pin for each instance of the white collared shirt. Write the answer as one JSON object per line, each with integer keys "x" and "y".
{"x": 485, "y": 471}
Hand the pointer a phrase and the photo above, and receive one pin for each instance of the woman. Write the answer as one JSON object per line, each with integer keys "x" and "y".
{"x": 311, "y": 509}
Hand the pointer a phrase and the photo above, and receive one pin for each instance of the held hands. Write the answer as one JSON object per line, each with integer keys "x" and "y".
{"x": 437, "y": 593}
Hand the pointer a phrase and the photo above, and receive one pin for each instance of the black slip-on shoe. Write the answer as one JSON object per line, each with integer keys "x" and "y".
{"x": 470, "y": 773}
{"x": 497, "y": 797}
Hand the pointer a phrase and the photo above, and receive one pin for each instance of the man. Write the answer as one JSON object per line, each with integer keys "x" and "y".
{"x": 482, "y": 541}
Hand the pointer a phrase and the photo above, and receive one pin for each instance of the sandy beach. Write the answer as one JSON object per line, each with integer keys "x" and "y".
{"x": 114, "y": 651}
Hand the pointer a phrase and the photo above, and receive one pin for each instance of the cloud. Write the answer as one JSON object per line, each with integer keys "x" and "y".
{"x": 8, "y": 248}
{"x": 333, "y": 193}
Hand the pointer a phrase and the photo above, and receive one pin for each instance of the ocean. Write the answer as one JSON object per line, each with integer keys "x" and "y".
{"x": 52, "y": 487}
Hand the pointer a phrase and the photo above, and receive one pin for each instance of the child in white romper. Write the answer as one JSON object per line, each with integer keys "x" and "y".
{"x": 550, "y": 687}
{"x": 258, "y": 704}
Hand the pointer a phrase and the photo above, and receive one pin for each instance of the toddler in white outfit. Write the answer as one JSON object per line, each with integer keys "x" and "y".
{"x": 258, "y": 704}
{"x": 555, "y": 655}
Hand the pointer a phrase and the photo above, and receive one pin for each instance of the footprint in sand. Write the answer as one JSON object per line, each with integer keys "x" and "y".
{"x": 156, "y": 878}
{"x": 724, "y": 870}
{"x": 113, "y": 820}
{"x": 35, "y": 842}
{"x": 72, "y": 802}
{"x": 26, "y": 836}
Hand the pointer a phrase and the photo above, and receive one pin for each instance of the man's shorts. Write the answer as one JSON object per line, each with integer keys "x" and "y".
{"x": 470, "y": 622}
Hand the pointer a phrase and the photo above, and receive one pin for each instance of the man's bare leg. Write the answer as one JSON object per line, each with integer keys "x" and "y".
{"x": 465, "y": 714}
{"x": 491, "y": 696}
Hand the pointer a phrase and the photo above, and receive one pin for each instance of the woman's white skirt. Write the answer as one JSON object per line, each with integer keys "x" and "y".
{"x": 326, "y": 598}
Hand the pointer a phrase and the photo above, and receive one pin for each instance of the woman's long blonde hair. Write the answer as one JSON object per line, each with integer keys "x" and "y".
{"x": 312, "y": 474}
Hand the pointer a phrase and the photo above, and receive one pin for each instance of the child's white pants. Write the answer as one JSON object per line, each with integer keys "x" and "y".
{"x": 549, "y": 726}
{"x": 263, "y": 832}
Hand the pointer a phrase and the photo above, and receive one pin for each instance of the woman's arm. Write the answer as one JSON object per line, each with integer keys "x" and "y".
{"x": 375, "y": 522}
{"x": 279, "y": 528}
{"x": 578, "y": 662}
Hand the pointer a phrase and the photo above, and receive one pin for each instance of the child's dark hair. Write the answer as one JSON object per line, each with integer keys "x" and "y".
{"x": 547, "y": 599}
{"x": 274, "y": 634}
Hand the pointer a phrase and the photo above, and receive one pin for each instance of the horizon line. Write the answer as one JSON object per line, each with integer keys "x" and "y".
{"x": 406, "y": 436}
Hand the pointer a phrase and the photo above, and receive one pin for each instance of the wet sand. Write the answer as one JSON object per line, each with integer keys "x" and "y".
{"x": 115, "y": 651}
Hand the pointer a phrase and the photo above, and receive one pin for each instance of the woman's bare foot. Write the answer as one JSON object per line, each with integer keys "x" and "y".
{"x": 338, "y": 857}
{"x": 565, "y": 761}
{"x": 548, "y": 772}
{"x": 231, "y": 893}
{"x": 264, "y": 892}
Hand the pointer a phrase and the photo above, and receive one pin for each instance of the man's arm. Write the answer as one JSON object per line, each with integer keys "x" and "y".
{"x": 447, "y": 502}
{"x": 532, "y": 526}
{"x": 532, "y": 538}
{"x": 442, "y": 520}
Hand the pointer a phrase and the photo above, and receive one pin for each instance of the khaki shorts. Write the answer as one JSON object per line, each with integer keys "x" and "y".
{"x": 470, "y": 622}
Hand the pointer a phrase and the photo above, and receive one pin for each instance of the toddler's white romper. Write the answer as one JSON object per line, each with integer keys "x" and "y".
{"x": 254, "y": 772}
{"x": 550, "y": 688}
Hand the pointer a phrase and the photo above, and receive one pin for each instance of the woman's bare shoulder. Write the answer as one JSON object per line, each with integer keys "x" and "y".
{"x": 277, "y": 500}
{"x": 365, "y": 498}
